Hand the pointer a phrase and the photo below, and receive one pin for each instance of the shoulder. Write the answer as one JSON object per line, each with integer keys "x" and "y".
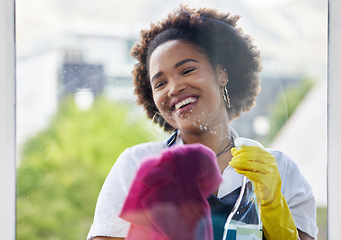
{"x": 119, "y": 179}
{"x": 131, "y": 158}
{"x": 147, "y": 148}
{"x": 289, "y": 171}
{"x": 138, "y": 152}
{"x": 295, "y": 187}
{"x": 129, "y": 161}
{"x": 284, "y": 162}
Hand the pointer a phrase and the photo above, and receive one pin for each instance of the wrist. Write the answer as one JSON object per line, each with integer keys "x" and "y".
{"x": 278, "y": 221}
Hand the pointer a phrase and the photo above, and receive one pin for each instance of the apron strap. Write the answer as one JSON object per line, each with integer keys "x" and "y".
{"x": 172, "y": 139}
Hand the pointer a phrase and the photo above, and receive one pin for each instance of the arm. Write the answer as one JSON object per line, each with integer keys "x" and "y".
{"x": 304, "y": 236}
{"x": 260, "y": 167}
{"x": 300, "y": 200}
{"x": 110, "y": 201}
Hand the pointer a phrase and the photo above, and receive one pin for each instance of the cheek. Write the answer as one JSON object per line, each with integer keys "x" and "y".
{"x": 159, "y": 101}
{"x": 215, "y": 96}
{"x": 212, "y": 87}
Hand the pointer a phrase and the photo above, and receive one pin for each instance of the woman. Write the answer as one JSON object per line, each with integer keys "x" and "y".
{"x": 197, "y": 72}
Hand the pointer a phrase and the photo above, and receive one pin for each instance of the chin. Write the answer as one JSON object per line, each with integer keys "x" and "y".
{"x": 193, "y": 127}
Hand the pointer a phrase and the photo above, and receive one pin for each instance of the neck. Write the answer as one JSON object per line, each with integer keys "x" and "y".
{"x": 216, "y": 140}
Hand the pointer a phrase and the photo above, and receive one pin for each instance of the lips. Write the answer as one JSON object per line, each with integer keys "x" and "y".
{"x": 183, "y": 103}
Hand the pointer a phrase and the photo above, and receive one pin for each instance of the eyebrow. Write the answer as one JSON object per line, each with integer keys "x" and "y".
{"x": 182, "y": 62}
{"x": 156, "y": 76}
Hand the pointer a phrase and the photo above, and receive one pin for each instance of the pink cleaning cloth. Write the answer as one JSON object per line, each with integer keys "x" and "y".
{"x": 167, "y": 200}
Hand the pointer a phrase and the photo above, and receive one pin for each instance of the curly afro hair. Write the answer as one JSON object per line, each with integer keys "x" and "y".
{"x": 225, "y": 45}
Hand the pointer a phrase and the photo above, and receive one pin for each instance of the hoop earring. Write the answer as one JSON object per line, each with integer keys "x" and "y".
{"x": 226, "y": 96}
{"x": 156, "y": 116}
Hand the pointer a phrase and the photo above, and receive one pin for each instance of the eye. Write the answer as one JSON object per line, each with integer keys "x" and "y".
{"x": 188, "y": 71}
{"x": 159, "y": 84}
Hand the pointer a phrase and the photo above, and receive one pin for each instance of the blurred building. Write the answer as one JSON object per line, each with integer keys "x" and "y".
{"x": 53, "y": 67}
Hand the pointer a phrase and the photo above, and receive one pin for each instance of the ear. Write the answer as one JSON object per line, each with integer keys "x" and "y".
{"x": 222, "y": 75}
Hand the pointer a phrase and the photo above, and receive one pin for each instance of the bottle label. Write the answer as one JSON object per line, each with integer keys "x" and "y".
{"x": 244, "y": 233}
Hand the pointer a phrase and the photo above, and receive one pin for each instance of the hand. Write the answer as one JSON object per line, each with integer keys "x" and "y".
{"x": 168, "y": 197}
{"x": 259, "y": 166}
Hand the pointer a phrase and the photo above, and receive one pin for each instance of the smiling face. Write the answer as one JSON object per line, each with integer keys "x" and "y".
{"x": 186, "y": 89}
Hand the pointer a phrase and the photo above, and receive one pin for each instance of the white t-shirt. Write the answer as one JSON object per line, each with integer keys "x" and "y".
{"x": 295, "y": 189}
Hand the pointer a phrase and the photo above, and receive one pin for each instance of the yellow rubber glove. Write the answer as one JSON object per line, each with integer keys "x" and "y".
{"x": 260, "y": 166}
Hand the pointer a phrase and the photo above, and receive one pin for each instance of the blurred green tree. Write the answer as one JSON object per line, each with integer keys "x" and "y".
{"x": 286, "y": 104}
{"x": 63, "y": 167}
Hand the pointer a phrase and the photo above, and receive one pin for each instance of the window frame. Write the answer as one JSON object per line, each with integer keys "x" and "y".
{"x": 334, "y": 119}
{"x": 7, "y": 119}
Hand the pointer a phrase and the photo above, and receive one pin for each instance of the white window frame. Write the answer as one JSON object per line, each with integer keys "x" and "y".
{"x": 7, "y": 119}
{"x": 334, "y": 120}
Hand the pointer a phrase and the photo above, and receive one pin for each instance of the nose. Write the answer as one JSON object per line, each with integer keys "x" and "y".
{"x": 175, "y": 87}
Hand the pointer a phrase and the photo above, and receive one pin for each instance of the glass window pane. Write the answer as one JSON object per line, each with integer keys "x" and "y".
{"x": 76, "y": 110}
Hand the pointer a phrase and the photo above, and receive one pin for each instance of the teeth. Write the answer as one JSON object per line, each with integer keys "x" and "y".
{"x": 184, "y": 102}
